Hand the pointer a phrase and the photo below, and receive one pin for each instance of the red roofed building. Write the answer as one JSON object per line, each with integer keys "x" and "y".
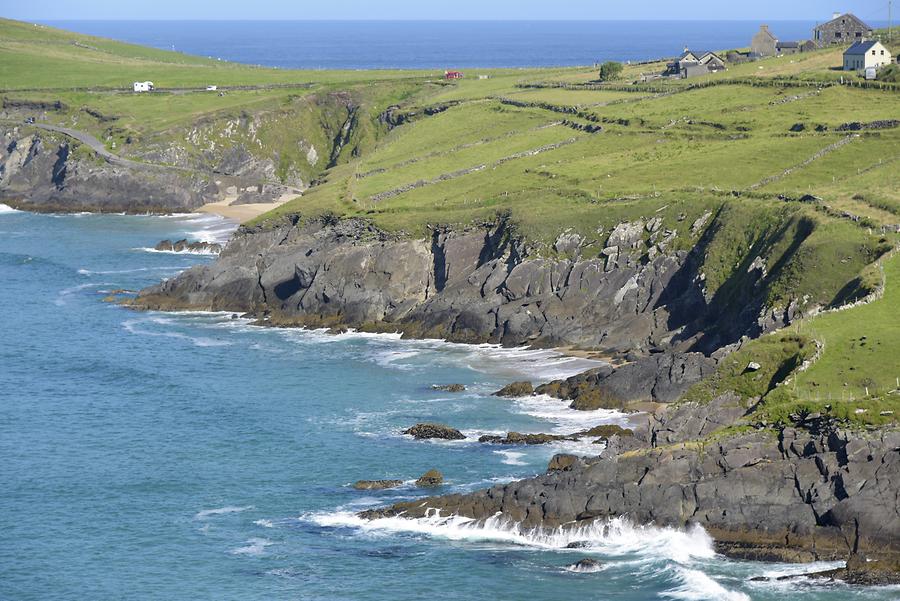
{"x": 453, "y": 75}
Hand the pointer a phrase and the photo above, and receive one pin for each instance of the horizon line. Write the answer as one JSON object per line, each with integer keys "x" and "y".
{"x": 404, "y": 20}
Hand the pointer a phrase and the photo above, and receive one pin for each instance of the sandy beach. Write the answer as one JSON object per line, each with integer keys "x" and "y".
{"x": 243, "y": 212}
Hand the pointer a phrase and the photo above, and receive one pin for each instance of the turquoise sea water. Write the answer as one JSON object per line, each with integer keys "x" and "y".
{"x": 193, "y": 456}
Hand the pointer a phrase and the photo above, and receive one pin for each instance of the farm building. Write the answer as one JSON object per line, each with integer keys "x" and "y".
{"x": 453, "y": 75}
{"x": 143, "y": 86}
{"x": 842, "y": 29}
{"x": 866, "y": 55}
{"x": 764, "y": 42}
{"x": 692, "y": 64}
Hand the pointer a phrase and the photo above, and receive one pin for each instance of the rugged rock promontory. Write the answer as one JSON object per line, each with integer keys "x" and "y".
{"x": 790, "y": 495}
{"x": 481, "y": 284}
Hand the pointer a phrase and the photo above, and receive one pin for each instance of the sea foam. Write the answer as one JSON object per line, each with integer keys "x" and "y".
{"x": 615, "y": 537}
{"x": 208, "y": 513}
{"x": 698, "y": 586}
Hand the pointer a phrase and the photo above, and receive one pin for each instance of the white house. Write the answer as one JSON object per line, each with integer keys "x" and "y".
{"x": 143, "y": 86}
{"x": 866, "y": 55}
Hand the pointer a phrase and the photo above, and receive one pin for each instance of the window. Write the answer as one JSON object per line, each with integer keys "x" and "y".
{"x": 859, "y": 34}
{"x": 873, "y": 53}
{"x": 837, "y": 35}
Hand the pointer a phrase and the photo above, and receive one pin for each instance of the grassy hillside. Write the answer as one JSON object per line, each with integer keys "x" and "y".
{"x": 783, "y": 168}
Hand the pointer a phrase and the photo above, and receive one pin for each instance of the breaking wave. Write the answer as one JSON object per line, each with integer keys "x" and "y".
{"x": 698, "y": 586}
{"x": 205, "y": 253}
{"x": 615, "y": 537}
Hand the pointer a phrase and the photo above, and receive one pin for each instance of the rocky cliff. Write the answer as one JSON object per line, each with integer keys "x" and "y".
{"x": 241, "y": 157}
{"x": 44, "y": 171}
{"x": 791, "y": 495}
{"x": 481, "y": 284}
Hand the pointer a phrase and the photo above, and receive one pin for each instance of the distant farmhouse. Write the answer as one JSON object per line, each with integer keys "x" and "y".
{"x": 842, "y": 29}
{"x": 143, "y": 86}
{"x": 693, "y": 63}
{"x": 866, "y": 55}
{"x": 765, "y": 44}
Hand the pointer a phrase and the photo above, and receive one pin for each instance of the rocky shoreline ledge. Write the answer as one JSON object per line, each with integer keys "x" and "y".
{"x": 809, "y": 490}
{"x": 793, "y": 495}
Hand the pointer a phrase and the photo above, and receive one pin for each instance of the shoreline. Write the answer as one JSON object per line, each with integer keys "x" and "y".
{"x": 243, "y": 212}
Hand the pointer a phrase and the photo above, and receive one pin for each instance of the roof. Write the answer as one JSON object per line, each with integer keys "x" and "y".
{"x": 860, "y": 48}
{"x": 764, "y": 29}
{"x": 788, "y": 44}
{"x": 850, "y": 16}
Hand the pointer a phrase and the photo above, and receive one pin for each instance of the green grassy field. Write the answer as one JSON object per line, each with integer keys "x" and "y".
{"x": 747, "y": 152}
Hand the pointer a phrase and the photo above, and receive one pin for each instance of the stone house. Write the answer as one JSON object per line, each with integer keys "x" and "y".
{"x": 692, "y": 64}
{"x": 786, "y": 48}
{"x": 764, "y": 43}
{"x": 866, "y": 55}
{"x": 842, "y": 29}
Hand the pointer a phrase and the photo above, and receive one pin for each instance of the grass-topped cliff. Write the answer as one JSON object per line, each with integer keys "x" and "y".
{"x": 780, "y": 180}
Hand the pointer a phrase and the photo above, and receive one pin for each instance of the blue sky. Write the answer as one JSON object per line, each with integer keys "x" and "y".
{"x": 810, "y": 10}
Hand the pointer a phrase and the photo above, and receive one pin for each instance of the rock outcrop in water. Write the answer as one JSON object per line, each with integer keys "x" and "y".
{"x": 478, "y": 285}
{"x": 431, "y": 431}
{"x": 788, "y": 494}
{"x": 184, "y": 246}
{"x": 794, "y": 495}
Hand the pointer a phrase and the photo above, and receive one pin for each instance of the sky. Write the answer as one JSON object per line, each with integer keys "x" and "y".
{"x": 773, "y": 10}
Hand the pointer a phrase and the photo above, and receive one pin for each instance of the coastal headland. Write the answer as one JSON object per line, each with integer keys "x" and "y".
{"x": 727, "y": 242}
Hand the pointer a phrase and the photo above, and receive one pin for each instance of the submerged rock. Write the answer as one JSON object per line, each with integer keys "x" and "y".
{"x": 377, "y": 484}
{"x": 430, "y": 479}
{"x": 529, "y": 439}
{"x": 586, "y": 565}
{"x": 428, "y": 431}
{"x": 449, "y": 387}
{"x": 516, "y": 389}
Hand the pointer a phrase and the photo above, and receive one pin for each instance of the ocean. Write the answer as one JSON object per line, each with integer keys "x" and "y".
{"x": 196, "y": 456}
{"x": 435, "y": 44}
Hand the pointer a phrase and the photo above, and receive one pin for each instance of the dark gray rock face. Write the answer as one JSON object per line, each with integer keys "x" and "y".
{"x": 49, "y": 172}
{"x": 516, "y": 438}
{"x": 430, "y": 431}
{"x": 189, "y": 247}
{"x": 661, "y": 377}
{"x": 473, "y": 286}
{"x": 791, "y": 496}
{"x": 40, "y": 172}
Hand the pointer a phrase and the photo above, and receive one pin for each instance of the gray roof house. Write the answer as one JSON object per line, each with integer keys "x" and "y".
{"x": 842, "y": 29}
{"x": 866, "y": 55}
{"x": 694, "y": 63}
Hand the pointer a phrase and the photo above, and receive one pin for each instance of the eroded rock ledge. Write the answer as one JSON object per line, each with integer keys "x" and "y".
{"x": 482, "y": 284}
{"x": 791, "y": 495}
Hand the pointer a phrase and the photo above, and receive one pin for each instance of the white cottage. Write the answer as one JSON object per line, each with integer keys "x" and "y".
{"x": 866, "y": 55}
{"x": 143, "y": 86}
